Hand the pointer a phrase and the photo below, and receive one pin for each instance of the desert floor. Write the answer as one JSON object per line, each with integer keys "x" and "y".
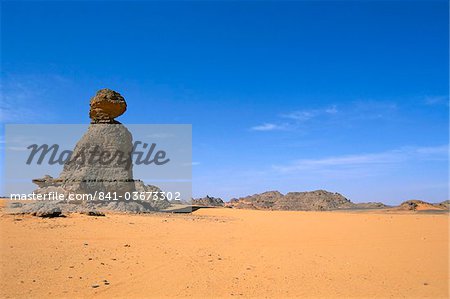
{"x": 226, "y": 253}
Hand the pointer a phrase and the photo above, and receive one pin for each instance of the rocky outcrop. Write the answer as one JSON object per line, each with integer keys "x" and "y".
{"x": 39, "y": 209}
{"x": 47, "y": 181}
{"x": 208, "y": 201}
{"x": 445, "y": 204}
{"x": 87, "y": 171}
{"x": 100, "y": 163}
{"x": 370, "y": 205}
{"x": 158, "y": 201}
{"x": 261, "y": 201}
{"x": 105, "y": 106}
{"x": 418, "y": 205}
{"x": 319, "y": 200}
{"x": 90, "y": 208}
{"x": 101, "y": 160}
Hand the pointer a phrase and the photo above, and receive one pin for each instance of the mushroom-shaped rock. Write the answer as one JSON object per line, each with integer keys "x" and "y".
{"x": 106, "y": 105}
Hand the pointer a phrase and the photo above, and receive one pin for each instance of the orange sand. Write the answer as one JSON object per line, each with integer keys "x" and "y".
{"x": 226, "y": 253}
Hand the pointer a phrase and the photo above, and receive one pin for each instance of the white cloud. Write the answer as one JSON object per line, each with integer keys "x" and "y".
{"x": 23, "y": 97}
{"x": 296, "y": 117}
{"x": 363, "y": 110}
{"x": 268, "y": 127}
{"x": 305, "y": 115}
{"x": 354, "y": 112}
{"x": 365, "y": 161}
{"x": 17, "y": 148}
{"x": 332, "y": 110}
{"x": 436, "y": 100}
{"x": 436, "y": 150}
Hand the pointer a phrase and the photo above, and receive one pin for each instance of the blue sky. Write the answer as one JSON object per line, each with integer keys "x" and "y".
{"x": 348, "y": 96}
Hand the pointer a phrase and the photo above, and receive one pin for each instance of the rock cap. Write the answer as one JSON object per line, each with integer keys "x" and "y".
{"x": 106, "y": 105}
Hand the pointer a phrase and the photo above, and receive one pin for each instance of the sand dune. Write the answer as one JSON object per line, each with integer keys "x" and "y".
{"x": 226, "y": 253}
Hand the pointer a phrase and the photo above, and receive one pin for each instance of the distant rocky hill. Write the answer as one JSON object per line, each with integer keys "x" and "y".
{"x": 319, "y": 200}
{"x": 260, "y": 201}
{"x": 445, "y": 204}
{"x": 208, "y": 201}
{"x": 370, "y": 205}
{"x": 420, "y": 205}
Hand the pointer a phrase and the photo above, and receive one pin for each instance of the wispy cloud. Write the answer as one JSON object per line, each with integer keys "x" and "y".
{"x": 371, "y": 110}
{"x": 365, "y": 161}
{"x": 160, "y": 135}
{"x": 22, "y": 97}
{"x": 269, "y": 127}
{"x": 436, "y": 100}
{"x": 305, "y": 115}
{"x": 18, "y": 143}
{"x": 17, "y": 148}
{"x": 354, "y": 112}
{"x": 13, "y": 108}
{"x": 294, "y": 118}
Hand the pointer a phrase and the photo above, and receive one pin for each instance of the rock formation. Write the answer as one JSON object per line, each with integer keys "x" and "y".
{"x": 87, "y": 173}
{"x": 319, "y": 200}
{"x": 420, "y": 205}
{"x": 445, "y": 204}
{"x": 208, "y": 201}
{"x": 105, "y": 106}
{"x": 101, "y": 162}
{"x": 371, "y": 205}
{"x": 261, "y": 201}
